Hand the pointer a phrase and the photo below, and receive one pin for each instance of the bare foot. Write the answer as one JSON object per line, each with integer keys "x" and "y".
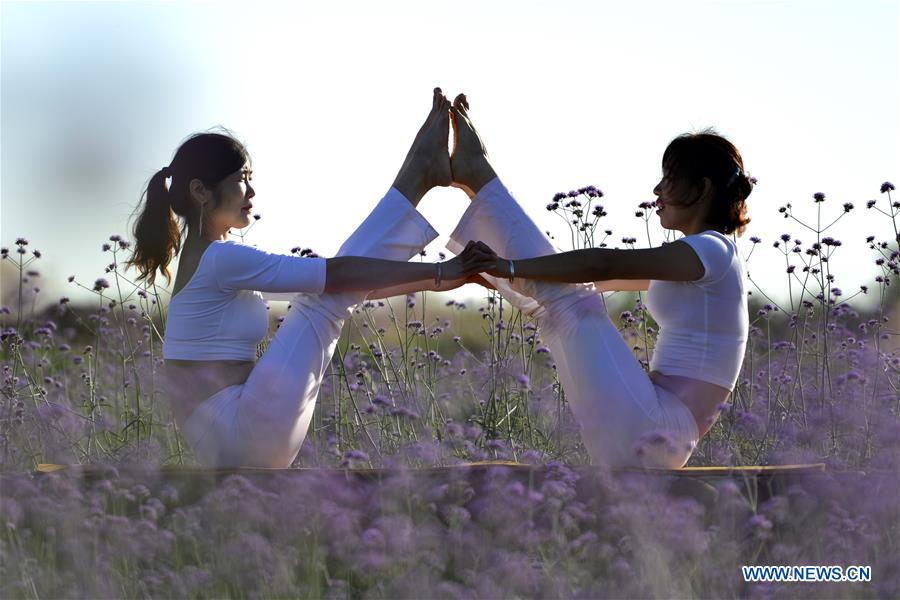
{"x": 469, "y": 161}
{"x": 427, "y": 163}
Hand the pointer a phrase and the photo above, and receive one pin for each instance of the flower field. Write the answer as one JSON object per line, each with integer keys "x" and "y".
{"x": 388, "y": 499}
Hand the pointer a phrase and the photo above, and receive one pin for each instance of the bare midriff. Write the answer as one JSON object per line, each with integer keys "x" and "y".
{"x": 701, "y": 397}
{"x": 191, "y": 382}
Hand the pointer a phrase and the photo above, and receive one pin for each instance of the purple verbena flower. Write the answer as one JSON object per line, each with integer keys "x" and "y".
{"x": 403, "y": 412}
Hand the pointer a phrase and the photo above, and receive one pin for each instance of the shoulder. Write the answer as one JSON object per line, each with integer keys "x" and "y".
{"x": 230, "y": 257}
{"x": 714, "y": 250}
{"x": 227, "y": 245}
{"x": 230, "y": 249}
{"x": 710, "y": 241}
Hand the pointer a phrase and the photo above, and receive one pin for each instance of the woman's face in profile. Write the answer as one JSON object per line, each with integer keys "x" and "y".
{"x": 234, "y": 199}
{"x": 670, "y": 194}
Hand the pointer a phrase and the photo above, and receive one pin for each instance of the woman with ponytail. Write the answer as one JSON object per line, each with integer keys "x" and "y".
{"x": 235, "y": 410}
{"x": 695, "y": 291}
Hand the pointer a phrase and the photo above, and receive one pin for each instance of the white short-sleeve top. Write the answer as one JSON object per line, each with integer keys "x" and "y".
{"x": 703, "y": 324}
{"x": 220, "y": 314}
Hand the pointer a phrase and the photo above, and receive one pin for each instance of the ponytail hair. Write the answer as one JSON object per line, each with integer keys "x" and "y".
{"x": 692, "y": 156}
{"x": 209, "y": 157}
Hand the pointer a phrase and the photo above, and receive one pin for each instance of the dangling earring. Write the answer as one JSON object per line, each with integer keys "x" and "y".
{"x": 201, "y": 222}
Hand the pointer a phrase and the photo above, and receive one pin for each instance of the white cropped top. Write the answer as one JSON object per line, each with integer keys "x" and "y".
{"x": 220, "y": 314}
{"x": 703, "y": 324}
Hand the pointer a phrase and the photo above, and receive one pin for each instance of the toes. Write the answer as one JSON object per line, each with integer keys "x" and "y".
{"x": 437, "y": 99}
{"x": 461, "y": 103}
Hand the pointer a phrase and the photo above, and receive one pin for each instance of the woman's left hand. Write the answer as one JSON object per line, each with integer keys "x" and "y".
{"x": 477, "y": 257}
{"x": 494, "y": 264}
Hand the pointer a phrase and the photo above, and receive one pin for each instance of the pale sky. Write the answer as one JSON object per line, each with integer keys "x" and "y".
{"x": 327, "y": 96}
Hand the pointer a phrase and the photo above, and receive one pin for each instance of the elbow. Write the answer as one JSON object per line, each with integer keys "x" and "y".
{"x": 346, "y": 274}
{"x": 335, "y": 274}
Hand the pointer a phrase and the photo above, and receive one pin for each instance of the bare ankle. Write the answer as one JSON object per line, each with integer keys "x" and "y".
{"x": 411, "y": 186}
{"x": 480, "y": 178}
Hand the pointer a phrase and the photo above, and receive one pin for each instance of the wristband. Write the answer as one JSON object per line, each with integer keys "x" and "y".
{"x": 512, "y": 271}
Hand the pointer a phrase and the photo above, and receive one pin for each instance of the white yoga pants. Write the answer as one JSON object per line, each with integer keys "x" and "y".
{"x": 263, "y": 422}
{"x": 626, "y": 420}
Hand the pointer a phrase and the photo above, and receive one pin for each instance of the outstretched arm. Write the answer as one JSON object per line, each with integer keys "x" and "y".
{"x": 671, "y": 262}
{"x": 349, "y": 273}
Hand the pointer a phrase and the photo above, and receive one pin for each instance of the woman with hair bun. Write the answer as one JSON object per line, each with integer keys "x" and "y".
{"x": 695, "y": 291}
{"x": 235, "y": 410}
